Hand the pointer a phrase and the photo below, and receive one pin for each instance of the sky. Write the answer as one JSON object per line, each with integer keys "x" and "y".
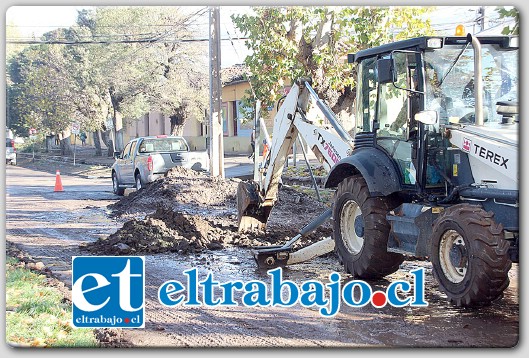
{"x": 35, "y": 20}
{"x": 59, "y": 16}
{"x": 38, "y": 19}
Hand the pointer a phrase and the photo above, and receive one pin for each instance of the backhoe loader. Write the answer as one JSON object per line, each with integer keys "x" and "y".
{"x": 429, "y": 171}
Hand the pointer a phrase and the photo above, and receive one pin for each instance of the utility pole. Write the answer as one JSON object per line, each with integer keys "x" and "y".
{"x": 216, "y": 140}
{"x": 481, "y": 18}
{"x": 257, "y": 140}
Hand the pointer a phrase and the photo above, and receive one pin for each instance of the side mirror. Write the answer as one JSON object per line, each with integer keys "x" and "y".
{"x": 426, "y": 117}
{"x": 385, "y": 72}
{"x": 117, "y": 155}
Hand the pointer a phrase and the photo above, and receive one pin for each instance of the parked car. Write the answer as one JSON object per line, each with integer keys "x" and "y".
{"x": 145, "y": 159}
{"x": 11, "y": 153}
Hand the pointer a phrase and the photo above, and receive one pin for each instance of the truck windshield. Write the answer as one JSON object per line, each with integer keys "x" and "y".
{"x": 454, "y": 97}
{"x": 162, "y": 145}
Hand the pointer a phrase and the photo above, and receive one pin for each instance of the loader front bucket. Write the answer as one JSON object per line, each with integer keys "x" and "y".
{"x": 251, "y": 214}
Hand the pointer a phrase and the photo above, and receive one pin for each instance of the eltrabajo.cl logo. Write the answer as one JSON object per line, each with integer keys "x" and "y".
{"x": 108, "y": 291}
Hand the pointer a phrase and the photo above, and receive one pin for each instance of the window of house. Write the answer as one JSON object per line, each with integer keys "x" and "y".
{"x": 244, "y": 125}
{"x": 235, "y": 117}
{"x": 224, "y": 115}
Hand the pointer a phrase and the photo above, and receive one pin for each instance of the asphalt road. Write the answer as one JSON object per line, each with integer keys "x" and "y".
{"x": 50, "y": 226}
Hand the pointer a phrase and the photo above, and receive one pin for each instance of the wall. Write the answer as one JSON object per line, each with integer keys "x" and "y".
{"x": 236, "y": 135}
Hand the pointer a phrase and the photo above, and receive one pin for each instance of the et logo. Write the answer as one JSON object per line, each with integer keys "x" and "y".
{"x": 108, "y": 291}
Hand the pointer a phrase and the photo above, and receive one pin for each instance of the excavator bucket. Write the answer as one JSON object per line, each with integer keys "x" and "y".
{"x": 251, "y": 215}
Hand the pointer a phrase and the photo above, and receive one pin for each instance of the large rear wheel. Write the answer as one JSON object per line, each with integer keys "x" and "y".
{"x": 469, "y": 255}
{"x": 361, "y": 231}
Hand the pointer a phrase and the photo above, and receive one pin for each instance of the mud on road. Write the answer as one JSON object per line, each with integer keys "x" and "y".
{"x": 189, "y": 221}
{"x": 188, "y": 212}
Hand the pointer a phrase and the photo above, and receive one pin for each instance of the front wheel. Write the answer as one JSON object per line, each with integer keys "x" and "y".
{"x": 361, "y": 231}
{"x": 469, "y": 255}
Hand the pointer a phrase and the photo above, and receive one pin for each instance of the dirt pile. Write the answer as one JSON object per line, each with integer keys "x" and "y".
{"x": 294, "y": 210}
{"x": 188, "y": 212}
{"x": 170, "y": 231}
{"x": 183, "y": 190}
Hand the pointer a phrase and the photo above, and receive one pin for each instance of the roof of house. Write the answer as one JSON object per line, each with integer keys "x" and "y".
{"x": 233, "y": 74}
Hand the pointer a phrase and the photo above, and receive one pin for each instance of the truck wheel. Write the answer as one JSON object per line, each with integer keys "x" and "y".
{"x": 137, "y": 178}
{"x": 361, "y": 231}
{"x": 115, "y": 185}
{"x": 469, "y": 255}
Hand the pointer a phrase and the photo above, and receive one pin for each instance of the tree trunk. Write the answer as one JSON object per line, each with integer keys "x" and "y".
{"x": 117, "y": 119}
{"x": 178, "y": 121}
{"x": 344, "y": 109}
{"x": 340, "y": 102}
{"x": 97, "y": 143}
{"x": 178, "y": 130}
{"x": 49, "y": 142}
{"x": 107, "y": 139}
{"x": 119, "y": 130}
{"x": 110, "y": 148}
{"x": 66, "y": 147}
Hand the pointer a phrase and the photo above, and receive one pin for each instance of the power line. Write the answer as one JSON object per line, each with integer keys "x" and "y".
{"x": 157, "y": 38}
{"x": 128, "y": 26}
{"x": 246, "y": 70}
{"x": 108, "y": 42}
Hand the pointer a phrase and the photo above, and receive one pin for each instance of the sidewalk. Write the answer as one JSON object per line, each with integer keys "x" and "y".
{"x": 87, "y": 153}
{"x": 88, "y": 164}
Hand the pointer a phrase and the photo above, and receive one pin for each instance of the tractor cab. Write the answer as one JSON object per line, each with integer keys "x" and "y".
{"x": 409, "y": 92}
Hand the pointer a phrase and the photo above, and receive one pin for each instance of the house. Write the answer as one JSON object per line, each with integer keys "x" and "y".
{"x": 237, "y": 131}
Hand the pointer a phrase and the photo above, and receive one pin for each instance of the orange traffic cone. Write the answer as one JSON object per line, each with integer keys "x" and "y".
{"x": 265, "y": 150}
{"x": 58, "y": 183}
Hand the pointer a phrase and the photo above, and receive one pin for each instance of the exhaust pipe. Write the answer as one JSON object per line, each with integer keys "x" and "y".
{"x": 478, "y": 79}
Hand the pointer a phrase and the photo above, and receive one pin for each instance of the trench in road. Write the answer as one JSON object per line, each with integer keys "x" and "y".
{"x": 50, "y": 226}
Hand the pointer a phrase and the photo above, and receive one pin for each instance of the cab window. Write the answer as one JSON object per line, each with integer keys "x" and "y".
{"x": 366, "y": 95}
{"x": 126, "y": 151}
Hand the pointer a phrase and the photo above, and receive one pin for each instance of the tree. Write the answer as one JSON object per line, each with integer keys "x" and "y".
{"x": 183, "y": 88}
{"x": 50, "y": 88}
{"x": 184, "y": 95}
{"x": 510, "y": 14}
{"x": 293, "y": 42}
{"x": 150, "y": 70}
{"x": 12, "y": 32}
{"x": 41, "y": 92}
{"x": 116, "y": 62}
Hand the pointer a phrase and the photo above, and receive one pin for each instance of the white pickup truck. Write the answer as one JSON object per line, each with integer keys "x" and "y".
{"x": 146, "y": 159}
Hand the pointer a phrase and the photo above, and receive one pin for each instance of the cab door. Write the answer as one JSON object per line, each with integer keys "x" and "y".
{"x": 398, "y": 101}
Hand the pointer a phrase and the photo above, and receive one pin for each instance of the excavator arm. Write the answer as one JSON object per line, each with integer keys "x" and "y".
{"x": 255, "y": 199}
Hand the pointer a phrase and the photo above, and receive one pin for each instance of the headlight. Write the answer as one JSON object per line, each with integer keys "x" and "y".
{"x": 434, "y": 43}
{"x": 514, "y": 42}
